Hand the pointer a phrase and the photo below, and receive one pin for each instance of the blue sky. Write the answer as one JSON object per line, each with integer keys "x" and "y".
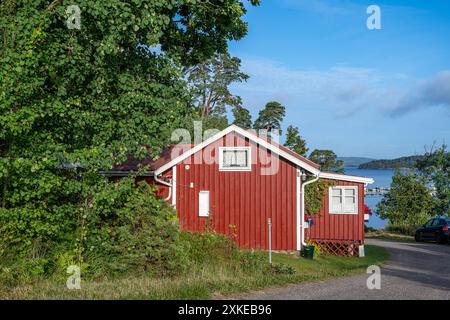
{"x": 375, "y": 93}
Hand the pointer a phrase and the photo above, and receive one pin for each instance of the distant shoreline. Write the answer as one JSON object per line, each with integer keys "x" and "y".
{"x": 381, "y": 164}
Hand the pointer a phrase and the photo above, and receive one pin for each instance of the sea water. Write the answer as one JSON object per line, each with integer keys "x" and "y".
{"x": 383, "y": 178}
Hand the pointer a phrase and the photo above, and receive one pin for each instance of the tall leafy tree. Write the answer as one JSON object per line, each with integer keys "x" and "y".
{"x": 242, "y": 117}
{"x": 209, "y": 83}
{"x": 271, "y": 117}
{"x": 327, "y": 160}
{"x": 295, "y": 142}
{"x": 75, "y": 101}
{"x": 408, "y": 202}
{"x": 435, "y": 168}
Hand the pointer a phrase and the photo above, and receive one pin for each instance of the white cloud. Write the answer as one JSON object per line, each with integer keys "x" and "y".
{"x": 343, "y": 90}
{"x": 429, "y": 93}
{"x": 340, "y": 91}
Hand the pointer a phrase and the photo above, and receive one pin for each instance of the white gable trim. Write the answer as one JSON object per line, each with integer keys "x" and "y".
{"x": 335, "y": 176}
{"x": 250, "y": 136}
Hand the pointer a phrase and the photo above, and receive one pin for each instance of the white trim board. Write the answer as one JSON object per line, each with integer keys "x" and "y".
{"x": 344, "y": 177}
{"x": 174, "y": 186}
{"x": 299, "y": 225}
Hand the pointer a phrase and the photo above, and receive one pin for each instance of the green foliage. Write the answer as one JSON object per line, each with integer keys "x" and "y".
{"x": 75, "y": 102}
{"x": 403, "y": 229}
{"x": 408, "y": 202}
{"x": 295, "y": 142}
{"x": 282, "y": 269}
{"x": 140, "y": 235}
{"x": 327, "y": 160}
{"x": 209, "y": 84}
{"x": 217, "y": 119}
{"x": 242, "y": 117}
{"x": 208, "y": 247}
{"x": 314, "y": 195}
{"x": 122, "y": 228}
{"x": 434, "y": 166}
{"x": 271, "y": 117}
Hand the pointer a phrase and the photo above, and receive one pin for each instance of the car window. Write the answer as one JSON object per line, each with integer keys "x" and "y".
{"x": 428, "y": 224}
{"x": 436, "y": 222}
{"x": 447, "y": 221}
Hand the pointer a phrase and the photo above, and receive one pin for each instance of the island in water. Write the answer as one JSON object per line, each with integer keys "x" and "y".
{"x": 402, "y": 162}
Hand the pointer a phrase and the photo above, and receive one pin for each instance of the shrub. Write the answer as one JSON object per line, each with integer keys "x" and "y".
{"x": 409, "y": 230}
{"x": 140, "y": 235}
{"x": 253, "y": 261}
{"x": 121, "y": 228}
{"x": 208, "y": 247}
{"x": 281, "y": 269}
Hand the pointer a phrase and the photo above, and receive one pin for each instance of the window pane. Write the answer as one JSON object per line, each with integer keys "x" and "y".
{"x": 349, "y": 192}
{"x": 336, "y": 192}
{"x": 241, "y": 158}
{"x": 235, "y": 158}
{"x": 350, "y": 200}
{"x": 336, "y": 203}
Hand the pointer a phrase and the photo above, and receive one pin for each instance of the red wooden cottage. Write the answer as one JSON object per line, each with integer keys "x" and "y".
{"x": 237, "y": 180}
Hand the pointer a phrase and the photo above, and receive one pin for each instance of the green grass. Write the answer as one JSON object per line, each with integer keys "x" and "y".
{"x": 389, "y": 235}
{"x": 214, "y": 281}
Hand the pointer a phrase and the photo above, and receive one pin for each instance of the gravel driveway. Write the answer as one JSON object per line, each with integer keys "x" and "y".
{"x": 414, "y": 271}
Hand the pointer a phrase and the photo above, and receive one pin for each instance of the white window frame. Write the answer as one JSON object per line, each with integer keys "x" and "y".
{"x": 342, "y": 188}
{"x": 203, "y": 211}
{"x": 249, "y": 159}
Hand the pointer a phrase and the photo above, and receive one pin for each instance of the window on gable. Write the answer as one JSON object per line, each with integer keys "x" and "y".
{"x": 235, "y": 158}
{"x": 343, "y": 200}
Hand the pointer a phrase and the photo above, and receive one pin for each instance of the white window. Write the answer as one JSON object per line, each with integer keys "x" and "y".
{"x": 235, "y": 159}
{"x": 203, "y": 203}
{"x": 343, "y": 200}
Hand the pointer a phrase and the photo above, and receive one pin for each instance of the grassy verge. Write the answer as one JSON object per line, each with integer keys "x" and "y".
{"x": 389, "y": 235}
{"x": 206, "y": 282}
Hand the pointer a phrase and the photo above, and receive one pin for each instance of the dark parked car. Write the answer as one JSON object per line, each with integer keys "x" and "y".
{"x": 436, "y": 229}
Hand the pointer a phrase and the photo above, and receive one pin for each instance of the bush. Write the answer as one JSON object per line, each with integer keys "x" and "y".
{"x": 140, "y": 235}
{"x": 205, "y": 248}
{"x": 409, "y": 230}
{"x": 122, "y": 228}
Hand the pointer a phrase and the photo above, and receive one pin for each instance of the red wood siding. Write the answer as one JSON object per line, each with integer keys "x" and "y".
{"x": 244, "y": 200}
{"x": 339, "y": 226}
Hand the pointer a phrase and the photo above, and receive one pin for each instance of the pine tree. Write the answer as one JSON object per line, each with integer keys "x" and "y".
{"x": 327, "y": 160}
{"x": 209, "y": 85}
{"x": 271, "y": 116}
{"x": 295, "y": 142}
{"x": 242, "y": 117}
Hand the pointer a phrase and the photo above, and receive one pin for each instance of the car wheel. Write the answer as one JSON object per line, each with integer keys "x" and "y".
{"x": 442, "y": 240}
{"x": 418, "y": 237}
